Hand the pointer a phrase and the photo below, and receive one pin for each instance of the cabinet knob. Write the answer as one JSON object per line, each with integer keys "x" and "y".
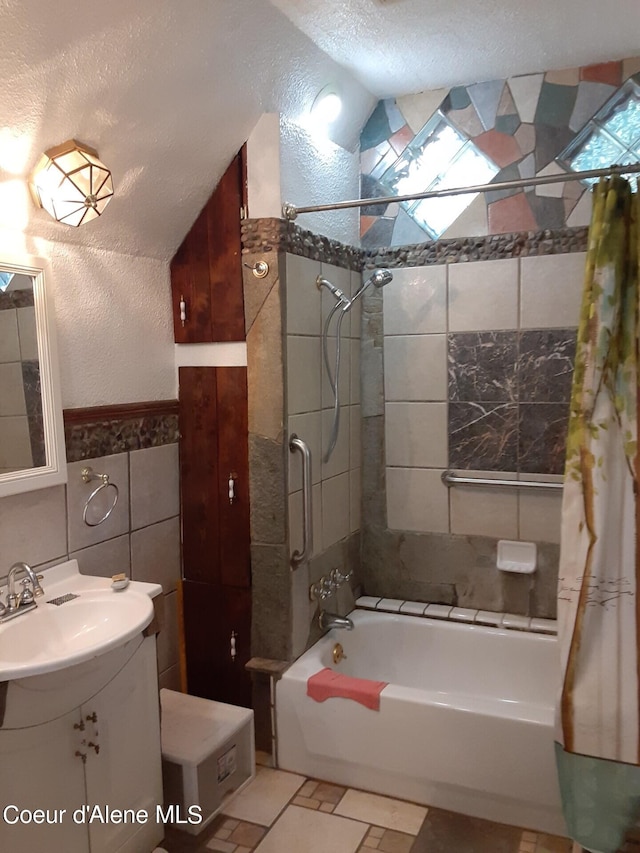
{"x": 183, "y": 310}
{"x": 233, "y": 645}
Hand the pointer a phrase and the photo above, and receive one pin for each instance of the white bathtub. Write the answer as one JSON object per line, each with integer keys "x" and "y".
{"x": 466, "y": 722}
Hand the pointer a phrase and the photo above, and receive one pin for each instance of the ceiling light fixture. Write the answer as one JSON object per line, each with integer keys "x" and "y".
{"x": 71, "y": 183}
{"x": 327, "y": 106}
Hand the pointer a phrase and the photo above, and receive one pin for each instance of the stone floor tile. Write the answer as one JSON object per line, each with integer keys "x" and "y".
{"x": 383, "y": 811}
{"x": 306, "y": 831}
{"x": 248, "y": 834}
{"x": 376, "y": 831}
{"x": 327, "y": 807}
{"x": 444, "y": 832}
{"x": 308, "y": 788}
{"x": 265, "y": 797}
{"x": 229, "y": 822}
{"x": 395, "y": 842}
{"x": 552, "y": 844}
{"x": 220, "y": 845}
{"x": 306, "y": 802}
{"x": 328, "y": 793}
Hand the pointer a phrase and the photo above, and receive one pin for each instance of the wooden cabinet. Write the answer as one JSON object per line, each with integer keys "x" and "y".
{"x": 206, "y": 271}
{"x": 214, "y": 482}
{"x": 105, "y": 753}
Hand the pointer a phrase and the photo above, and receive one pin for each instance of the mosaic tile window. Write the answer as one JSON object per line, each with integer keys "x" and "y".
{"x": 439, "y": 157}
{"x": 612, "y": 135}
{"x": 522, "y": 124}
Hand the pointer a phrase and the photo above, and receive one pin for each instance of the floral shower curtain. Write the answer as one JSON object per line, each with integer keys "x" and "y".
{"x": 598, "y": 715}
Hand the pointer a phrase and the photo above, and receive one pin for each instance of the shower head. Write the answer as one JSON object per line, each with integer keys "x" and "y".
{"x": 378, "y": 278}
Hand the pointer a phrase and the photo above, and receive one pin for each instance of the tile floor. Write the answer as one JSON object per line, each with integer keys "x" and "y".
{"x": 282, "y": 812}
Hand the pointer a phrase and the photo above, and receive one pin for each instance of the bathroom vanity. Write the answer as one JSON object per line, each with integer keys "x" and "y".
{"x": 80, "y": 740}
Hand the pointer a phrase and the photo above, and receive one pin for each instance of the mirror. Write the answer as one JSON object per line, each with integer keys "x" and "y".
{"x": 32, "y": 449}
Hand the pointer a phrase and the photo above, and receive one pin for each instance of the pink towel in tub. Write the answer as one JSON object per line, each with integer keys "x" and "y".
{"x": 327, "y": 683}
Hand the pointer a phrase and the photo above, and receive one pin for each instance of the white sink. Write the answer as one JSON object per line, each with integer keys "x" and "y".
{"x": 55, "y": 636}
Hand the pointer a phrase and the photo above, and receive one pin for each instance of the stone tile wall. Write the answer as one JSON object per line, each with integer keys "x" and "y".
{"x": 521, "y": 123}
{"x": 288, "y": 394}
{"x": 141, "y": 537}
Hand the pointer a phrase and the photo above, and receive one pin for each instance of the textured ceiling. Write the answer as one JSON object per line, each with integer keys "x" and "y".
{"x": 398, "y": 47}
{"x": 166, "y": 90}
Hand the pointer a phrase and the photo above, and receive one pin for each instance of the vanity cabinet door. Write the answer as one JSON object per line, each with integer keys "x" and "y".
{"x": 206, "y": 271}
{"x": 123, "y": 767}
{"x": 40, "y": 770}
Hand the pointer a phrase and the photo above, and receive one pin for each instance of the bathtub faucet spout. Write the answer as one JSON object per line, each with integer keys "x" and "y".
{"x": 328, "y": 620}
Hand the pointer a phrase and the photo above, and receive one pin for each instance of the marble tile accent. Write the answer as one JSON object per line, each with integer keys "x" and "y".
{"x": 507, "y": 214}
{"x": 444, "y": 832}
{"x": 483, "y": 436}
{"x": 155, "y": 491}
{"x": 382, "y": 811}
{"x": 485, "y": 98}
{"x": 418, "y": 109}
{"x": 416, "y": 435}
{"x": 417, "y": 500}
{"x": 312, "y": 831}
{"x": 545, "y": 365}
{"x": 415, "y": 367}
{"x": 105, "y": 438}
{"x": 551, "y": 291}
{"x": 265, "y": 797}
{"x": 483, "y": 296}
{"x": 542, "y": 437}
{"x": 483, "y": 366}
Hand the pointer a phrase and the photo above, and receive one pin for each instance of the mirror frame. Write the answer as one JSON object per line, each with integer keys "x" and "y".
{"x": 55, "y": 471}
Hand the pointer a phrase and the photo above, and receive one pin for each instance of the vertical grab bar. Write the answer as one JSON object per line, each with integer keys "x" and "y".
{"x": 297, "y": 444}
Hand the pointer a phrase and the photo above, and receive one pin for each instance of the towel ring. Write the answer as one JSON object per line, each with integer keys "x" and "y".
{"x": 88, "y": 475}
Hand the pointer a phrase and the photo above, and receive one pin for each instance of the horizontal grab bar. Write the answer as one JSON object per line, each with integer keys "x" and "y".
{"x": 449, "y": 478}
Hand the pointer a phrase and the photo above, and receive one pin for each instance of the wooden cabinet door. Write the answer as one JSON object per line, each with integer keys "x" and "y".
{"x": 213, "y": 450}
{"x": 206, "y": 271}
{"x": 217, "y": 625}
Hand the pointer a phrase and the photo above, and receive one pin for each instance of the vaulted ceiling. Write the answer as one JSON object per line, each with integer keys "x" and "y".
{"x": 168, "y": 90}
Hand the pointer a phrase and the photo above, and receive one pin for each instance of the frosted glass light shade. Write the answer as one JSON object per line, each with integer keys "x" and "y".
{"x": 71, "y": 183}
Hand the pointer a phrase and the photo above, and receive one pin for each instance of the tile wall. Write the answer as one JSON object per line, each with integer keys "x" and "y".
{"x": 336, "y": 483}
{"x": 521, "y": 123}
{"x": 141, "y": 537}
{"x": 466, "y": 366}
{"x": 477, "y": 376}
{"x": 21, "y": 431}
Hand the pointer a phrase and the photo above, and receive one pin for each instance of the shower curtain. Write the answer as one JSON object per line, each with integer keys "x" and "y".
{"x": 598, "y": 714}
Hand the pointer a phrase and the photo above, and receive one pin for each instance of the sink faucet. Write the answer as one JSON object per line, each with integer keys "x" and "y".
{"x": 328, "y": 620}
{"x": 26, "y": 599}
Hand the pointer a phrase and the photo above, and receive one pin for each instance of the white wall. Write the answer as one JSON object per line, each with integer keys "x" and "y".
{"x": 113, "y": 322}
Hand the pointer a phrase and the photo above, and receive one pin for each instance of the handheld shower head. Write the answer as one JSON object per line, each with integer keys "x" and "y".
{"x": 378, "y": 278}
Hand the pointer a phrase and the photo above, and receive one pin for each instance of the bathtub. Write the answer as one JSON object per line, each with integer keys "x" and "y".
{"x": 465, "y": 723}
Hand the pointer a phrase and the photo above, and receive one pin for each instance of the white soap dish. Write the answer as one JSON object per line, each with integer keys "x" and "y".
{"x": 119, "y": 582}
{"x": 519, "y": 557}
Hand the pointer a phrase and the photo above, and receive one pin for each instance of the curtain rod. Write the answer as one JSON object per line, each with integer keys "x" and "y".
{"x": 291, "y": 211}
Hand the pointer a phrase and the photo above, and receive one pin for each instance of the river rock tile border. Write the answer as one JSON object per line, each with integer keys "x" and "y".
{"x": 104, "y": 438}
